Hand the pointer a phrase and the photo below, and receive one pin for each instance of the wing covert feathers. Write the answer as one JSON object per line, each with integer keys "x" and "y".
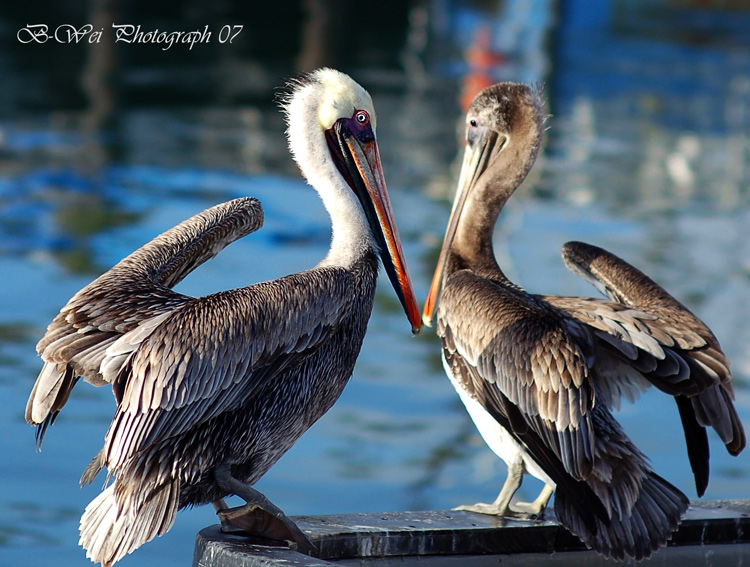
{"x": 676, "y": 351}
{"x": 133, "y": 292}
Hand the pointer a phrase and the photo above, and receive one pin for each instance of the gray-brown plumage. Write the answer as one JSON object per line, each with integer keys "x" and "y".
{"x": 211, "y": 391}
{"x": 644, "y": 328}
{"x": 136, "y": 290}
{"x": 539, "y": 374}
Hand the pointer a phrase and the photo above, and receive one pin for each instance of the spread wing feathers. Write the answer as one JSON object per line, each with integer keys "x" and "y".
{"x": 212, "y": 354}
{"x": 521, "y": 350}
{"x": 109, "y": 530}
{"x": 632, "y": 350}
{"x": 685, "y": 356}
{"x": 134, "y": 291}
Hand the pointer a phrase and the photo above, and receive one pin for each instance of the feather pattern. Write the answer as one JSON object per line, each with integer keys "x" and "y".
{"x": 692, "y": 365}
{"x": 245, "y": 407}
{"x": 206, "y": 375}
{"x": 606, "y": 492}
{"x": 135, "y": 291}
{"x": 519, "y": 348}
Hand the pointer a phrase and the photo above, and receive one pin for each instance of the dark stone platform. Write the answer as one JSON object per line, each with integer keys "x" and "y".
{"x": 713, "y": 533}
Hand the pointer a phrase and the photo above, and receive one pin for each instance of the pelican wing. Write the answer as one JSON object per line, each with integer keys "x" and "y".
{"x": 704, "y": 373}
{"x": 645, "y": 336}
{"x": 634, "y": 349}
{"x": 598, "y": 471}
{"x": 543, "y": 448}
{"x": 523, "y": 353}
{"x": 134, "y": 291}
{"x": 211, "y": 355}
{"x": 658, "y": 317}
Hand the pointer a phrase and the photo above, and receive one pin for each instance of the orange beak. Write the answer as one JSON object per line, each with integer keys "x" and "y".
{"x": 358, "y": 159}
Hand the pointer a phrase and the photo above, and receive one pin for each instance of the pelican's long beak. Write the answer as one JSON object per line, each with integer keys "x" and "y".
{"x": 356, "y": 155}
{"x": 476, "y": 159}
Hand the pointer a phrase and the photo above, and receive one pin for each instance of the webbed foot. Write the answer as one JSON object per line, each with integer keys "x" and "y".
{"x": 259, "y": 516}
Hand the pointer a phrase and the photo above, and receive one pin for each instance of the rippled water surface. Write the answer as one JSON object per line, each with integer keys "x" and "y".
{"x": 648, "y": 155}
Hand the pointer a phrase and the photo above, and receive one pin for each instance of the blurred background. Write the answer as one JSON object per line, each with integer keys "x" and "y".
{"x": 104, "y": 145}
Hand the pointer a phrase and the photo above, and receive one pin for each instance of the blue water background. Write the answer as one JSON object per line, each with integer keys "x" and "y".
{"x": 648, "y": 155}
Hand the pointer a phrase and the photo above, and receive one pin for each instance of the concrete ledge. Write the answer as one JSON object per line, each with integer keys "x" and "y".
{"x": 719, "y": 528}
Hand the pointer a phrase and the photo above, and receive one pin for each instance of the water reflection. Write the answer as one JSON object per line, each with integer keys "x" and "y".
{"x": 672, "y": 110}
{"x": 100, "y": 150}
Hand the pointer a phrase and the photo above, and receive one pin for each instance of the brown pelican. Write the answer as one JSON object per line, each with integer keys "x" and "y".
{"x": 211, "y": 391}
{"x": 538, "y": 374}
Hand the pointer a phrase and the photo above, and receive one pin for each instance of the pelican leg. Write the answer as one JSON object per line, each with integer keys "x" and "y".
{"x": 501, "y": 505}
{"x": 537, "y": 507}
{"x": 219, "y": 505}
{"x": 259, "y": 516}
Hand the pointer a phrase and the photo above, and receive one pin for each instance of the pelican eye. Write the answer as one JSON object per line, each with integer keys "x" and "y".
{"x": 362, "y": 117}
{"x": 473, "y": 123}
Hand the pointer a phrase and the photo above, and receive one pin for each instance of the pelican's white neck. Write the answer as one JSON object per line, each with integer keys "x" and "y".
{"x": 313, "y": 108}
